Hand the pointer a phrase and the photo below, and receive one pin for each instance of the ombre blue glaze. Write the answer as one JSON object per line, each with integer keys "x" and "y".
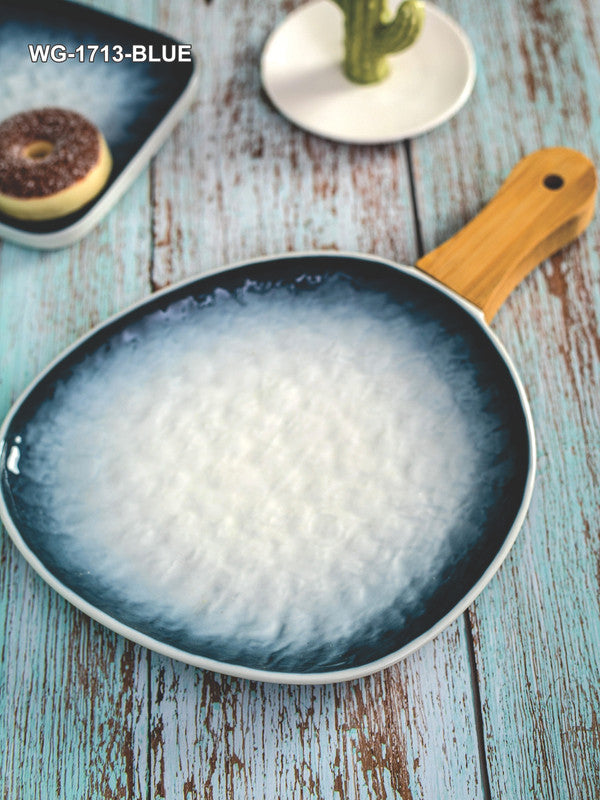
{"x": 488, "y": 521}
{"x": 149, "y": 90}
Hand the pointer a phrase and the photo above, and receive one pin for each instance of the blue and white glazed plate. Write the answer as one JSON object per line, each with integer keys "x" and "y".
{"x": 297, "y": 470}
{"x": 136, "y": 104}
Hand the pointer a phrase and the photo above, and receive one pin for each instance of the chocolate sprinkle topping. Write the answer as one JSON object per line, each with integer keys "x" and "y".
{"x": 76, "y": 149}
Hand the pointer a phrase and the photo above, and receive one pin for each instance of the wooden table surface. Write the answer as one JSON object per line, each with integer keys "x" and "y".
{"x": 506, "y": 702}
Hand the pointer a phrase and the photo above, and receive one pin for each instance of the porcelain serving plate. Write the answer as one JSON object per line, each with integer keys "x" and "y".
{"x": 290, "y": 470}
{"x": 298, "y": 469}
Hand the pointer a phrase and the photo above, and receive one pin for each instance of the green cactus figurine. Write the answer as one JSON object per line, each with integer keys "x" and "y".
{"x": 372, "y": 34}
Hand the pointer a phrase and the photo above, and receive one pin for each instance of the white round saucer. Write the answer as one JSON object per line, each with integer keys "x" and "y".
{"x": 428, "y": 83}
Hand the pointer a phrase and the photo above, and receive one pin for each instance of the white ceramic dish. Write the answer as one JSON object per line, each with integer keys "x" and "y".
{"x": 429, "y": 82}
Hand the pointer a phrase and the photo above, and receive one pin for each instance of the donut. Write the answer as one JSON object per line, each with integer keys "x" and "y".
{"x": 52, "y": 162}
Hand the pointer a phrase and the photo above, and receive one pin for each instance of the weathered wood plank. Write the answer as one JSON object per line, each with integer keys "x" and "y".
{"x": 537, "y": 627}
{"x": 73, "y": 696}
{"x": 396, "y": 734}
{"x": 75, "y": 689}
{"x": 76, "y": 693}
{"x": 238, "y": 181}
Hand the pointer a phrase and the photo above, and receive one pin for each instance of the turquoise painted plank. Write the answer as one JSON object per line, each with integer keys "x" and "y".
{"x": 397, "y": 734}
{"x": 238, "y": 181}
{"x": 73, "y": 696}
{"x": 83, "y": 696}
{"x": 64, "y": 682}
{"x": 537, "y": 627}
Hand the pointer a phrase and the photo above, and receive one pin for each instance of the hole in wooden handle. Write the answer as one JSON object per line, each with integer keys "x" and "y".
{"x": 553, "y": 182}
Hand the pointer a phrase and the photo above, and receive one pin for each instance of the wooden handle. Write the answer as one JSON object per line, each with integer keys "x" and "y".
{"x": 545, "y": 203}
